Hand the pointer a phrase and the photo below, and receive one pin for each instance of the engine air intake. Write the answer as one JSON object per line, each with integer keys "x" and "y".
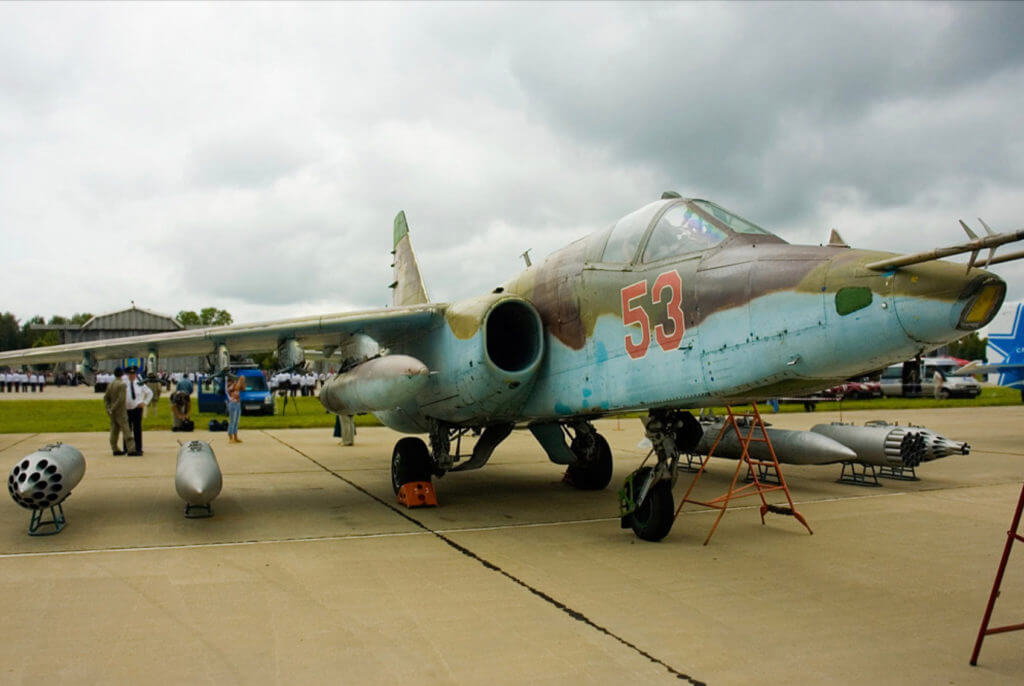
{"x": 514, "y": 341}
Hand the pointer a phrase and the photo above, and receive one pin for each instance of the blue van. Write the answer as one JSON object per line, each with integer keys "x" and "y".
{"x": 256, "y": 398}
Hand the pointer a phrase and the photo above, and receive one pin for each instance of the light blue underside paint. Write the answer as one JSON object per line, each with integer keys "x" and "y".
{"x": 731, "y": 351}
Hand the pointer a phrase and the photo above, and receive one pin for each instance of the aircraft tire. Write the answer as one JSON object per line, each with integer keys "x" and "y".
{"x": 594, "y": 474}
{"x": 410, "y": 461}
{"x": 653, "y": 519}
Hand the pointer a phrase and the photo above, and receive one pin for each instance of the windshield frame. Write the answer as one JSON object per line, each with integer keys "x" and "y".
{"x": 707, "y": 207}
{"x": 687, "y": 206}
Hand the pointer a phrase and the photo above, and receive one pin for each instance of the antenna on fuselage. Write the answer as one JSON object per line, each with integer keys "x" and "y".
{"x": 526, "y": 257}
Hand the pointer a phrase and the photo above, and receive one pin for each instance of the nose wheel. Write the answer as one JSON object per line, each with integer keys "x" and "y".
{"x": 647, "y": 505}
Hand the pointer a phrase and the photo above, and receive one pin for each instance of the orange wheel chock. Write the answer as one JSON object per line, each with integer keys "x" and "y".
{"x": 417, "y": 494}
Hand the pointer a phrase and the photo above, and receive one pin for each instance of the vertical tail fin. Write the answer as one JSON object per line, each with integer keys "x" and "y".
{"x": 408, "y": 285}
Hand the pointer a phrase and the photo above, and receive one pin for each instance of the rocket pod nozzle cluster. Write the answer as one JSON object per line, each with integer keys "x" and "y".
{"x": 883, "y": 445}
{"x": 45, "y": 478}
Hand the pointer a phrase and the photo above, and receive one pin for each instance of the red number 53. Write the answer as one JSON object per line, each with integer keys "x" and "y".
{"x": 635, "y": 314}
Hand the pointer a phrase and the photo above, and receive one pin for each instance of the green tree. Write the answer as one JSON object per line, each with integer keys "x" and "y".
{"x": 211, "y": 316}
{"x": 208, "y": 316}
{"x": 188, "y": 318}
{"x": 970, "y": 347}
{"x": 46, "y": 338}
{"x": 28, "y": 337}
{"x": 57, "y": 320}
{"x": 80, "y": 318}
{"x": 10, "y": 332}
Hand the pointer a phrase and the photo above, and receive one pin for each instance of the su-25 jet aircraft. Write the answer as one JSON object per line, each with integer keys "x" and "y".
{"x": 680, "y": 304}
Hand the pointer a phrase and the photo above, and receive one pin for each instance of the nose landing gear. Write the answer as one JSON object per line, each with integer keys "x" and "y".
{"x": 645, "y": 500}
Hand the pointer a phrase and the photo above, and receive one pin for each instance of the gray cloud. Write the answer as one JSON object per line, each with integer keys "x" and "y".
{"x": 254, "y": 158}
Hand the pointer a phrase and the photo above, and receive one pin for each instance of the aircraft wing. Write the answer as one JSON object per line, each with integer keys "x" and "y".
{"x": 386, "y": 326}
{"x": 972, "y": 368}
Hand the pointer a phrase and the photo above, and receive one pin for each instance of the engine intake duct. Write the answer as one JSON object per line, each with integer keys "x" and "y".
{"x": 514, "y": 341}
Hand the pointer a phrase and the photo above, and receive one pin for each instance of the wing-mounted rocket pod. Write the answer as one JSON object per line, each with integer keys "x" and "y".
{"x": 378, "y": 384}
{"x": 888, "y": 450}
{"x": 197, "y": 478}
{"x": 43, "y": 480}
{"x": 878, "y": 445}
{"x": 791, "y": 447}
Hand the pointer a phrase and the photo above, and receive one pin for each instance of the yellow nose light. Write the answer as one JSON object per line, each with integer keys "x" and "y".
{"x": 983, "y": 307}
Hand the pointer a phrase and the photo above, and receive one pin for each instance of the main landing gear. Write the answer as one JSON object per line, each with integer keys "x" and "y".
{"x": 592, "y": 470}
{"x": 645, "y": 500}
{"x": 413, "y": 463}
{"x": 411, "y": 469}
{"x": 586, "y": 453}
{"x": 410, "y": 462}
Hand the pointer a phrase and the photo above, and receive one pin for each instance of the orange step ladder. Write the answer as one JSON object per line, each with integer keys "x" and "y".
{"x": 756, "y": 486}
{"x": 1011, "y": 536}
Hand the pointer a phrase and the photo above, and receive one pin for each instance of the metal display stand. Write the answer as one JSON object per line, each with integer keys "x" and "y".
{"x": 56, "y": 520}
{"x": 898, "y": 473}
{"x": 857, "y": 474}
{"x": 1011, "y": 536}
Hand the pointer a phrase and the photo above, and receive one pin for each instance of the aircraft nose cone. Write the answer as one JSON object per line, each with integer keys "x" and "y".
{"x": 937, "y": 302}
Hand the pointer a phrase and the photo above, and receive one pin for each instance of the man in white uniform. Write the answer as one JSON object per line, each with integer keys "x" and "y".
{"x": 137, "y": 397}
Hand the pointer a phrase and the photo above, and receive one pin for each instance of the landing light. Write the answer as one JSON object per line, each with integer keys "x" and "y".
{"x": 983, "y": 306}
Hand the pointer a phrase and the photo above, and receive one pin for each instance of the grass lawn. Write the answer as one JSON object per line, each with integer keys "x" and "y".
{"x": 46, "y": 416}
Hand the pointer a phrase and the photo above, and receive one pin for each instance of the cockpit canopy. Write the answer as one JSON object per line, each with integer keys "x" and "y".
{"x": 672, "y": 227}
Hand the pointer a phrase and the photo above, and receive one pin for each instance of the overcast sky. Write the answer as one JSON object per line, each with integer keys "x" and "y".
{"x": 253, "y": 157}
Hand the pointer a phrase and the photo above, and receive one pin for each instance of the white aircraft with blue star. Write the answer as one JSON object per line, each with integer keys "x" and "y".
{"x": 1005, "y": 349}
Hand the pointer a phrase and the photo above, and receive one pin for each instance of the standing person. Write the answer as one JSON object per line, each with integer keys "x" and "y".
{"x": 137, "y": 398}
{"x": 234, "y": 391}
{"x": 939, "y": 381}
{"x": 345, "y": 429}
{"x": 114, "y": 401}
{"x": 153, "y": 383}
{"x": 184, "y": 385}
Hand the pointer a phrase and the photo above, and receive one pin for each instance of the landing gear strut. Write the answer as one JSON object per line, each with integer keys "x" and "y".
{"x": 645, "y": 499}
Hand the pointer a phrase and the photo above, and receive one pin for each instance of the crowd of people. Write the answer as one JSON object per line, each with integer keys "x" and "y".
{"x": 21, "y": 381}
{"x": 126, "y": 395}
{"x": 295, "y": 383}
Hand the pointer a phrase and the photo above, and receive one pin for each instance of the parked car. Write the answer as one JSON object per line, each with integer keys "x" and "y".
{"x": 953, "y": 386}
{"x": 256, "y": 398}
{"x": 863, "y": 388}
